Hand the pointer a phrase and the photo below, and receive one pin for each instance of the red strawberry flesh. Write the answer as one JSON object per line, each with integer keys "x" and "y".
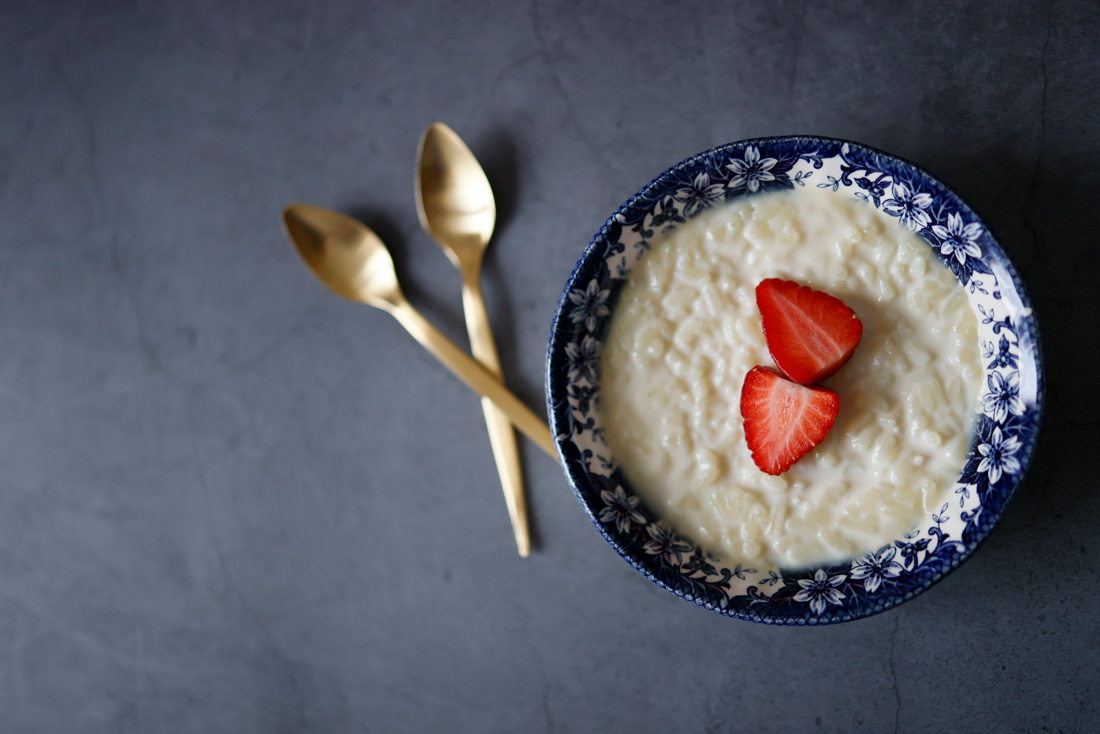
{"x": 810, "y": 334}
{"x": 784, "y": 421}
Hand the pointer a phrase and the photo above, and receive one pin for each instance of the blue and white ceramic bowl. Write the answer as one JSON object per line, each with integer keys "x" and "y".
{"x": 1011, "y": 398}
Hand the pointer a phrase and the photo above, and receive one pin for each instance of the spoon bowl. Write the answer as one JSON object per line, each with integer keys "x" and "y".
{"x": 344, "y": 254}
{"x": 454, "y": 200}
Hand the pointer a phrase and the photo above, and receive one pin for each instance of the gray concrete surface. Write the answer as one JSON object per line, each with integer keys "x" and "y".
{"x": 230, "y": 502}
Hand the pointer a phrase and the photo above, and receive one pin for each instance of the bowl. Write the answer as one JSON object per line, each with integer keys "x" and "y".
{"x": 1009, "y": 406}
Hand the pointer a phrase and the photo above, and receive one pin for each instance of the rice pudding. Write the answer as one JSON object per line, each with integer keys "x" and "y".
{"x": 686, "y": 330}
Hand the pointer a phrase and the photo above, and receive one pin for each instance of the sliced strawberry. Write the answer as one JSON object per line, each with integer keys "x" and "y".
{"x": 810, "y": 334}
{"x": 784, "y": 420}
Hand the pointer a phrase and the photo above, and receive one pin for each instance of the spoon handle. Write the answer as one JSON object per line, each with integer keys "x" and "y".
{"x": 480, "y": 380}
{"x": 502, "y": 437}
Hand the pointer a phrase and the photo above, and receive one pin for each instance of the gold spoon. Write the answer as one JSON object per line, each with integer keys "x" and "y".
{"x": 351, "y": 260}
{"x": 456, "y": 207}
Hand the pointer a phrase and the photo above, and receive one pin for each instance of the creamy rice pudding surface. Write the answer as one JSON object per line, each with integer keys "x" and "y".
{"x": 686, "y": 331}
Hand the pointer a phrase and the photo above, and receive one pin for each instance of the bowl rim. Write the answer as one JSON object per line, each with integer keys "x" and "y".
{"x": 574, "y": 467}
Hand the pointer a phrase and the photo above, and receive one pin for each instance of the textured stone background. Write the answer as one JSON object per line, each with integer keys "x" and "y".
{"x": 230, "y": 502}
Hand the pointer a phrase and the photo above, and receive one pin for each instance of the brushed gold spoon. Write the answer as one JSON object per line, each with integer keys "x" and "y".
{"x": 352, "y": 261}
{"x": 456, "y": 207}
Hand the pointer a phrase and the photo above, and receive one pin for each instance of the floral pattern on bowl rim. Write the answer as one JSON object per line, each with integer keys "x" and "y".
{"x": 1011, "y": 398}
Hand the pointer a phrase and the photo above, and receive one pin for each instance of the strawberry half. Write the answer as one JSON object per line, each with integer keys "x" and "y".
{"x": 784, "y": 420}
{"x": 810, "y": 334}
